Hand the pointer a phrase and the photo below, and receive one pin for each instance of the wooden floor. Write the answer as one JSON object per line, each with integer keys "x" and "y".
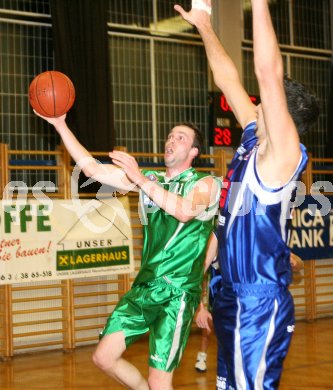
{"x": 309, "y": 365}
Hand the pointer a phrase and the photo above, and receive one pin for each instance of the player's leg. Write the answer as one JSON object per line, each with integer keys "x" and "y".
{"x": 160, "y": 380}
{"x": 201, "y": 365}
{"x": 225, "y": 322}
{"x": 257, "y": 354}
{"x": 123, "y": 327}
{"x": 222, "y": 372}
{"x": 280, "y": 342}
{"x": 108, "y": 357}
{"x": 170, "y": 314}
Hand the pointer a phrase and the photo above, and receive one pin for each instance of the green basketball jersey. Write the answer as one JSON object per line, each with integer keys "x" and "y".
{"x": 173, "y": 252}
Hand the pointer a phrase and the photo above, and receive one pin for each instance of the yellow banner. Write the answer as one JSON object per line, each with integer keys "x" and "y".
{"x": 63, "y": 239}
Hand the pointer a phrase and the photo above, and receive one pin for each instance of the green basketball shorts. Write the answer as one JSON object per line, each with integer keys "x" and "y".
{"x": 166, "y": 312}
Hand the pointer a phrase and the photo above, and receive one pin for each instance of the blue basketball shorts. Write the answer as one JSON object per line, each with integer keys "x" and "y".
{"x": 254, "y": 325}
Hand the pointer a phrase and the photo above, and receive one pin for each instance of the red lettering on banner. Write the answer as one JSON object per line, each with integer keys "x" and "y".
{"x": 5, "y": 256}
{"x": 32, "y": 251}
{"x": 9, "y": 243}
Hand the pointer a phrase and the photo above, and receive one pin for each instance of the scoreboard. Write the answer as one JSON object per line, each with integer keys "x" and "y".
{"x": 224, "y": 128}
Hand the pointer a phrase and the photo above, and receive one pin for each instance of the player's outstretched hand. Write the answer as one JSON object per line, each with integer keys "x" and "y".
{"x": 53, "y": 121}
{"x": 201, "y": 10}
{"x": 129, "y": 164}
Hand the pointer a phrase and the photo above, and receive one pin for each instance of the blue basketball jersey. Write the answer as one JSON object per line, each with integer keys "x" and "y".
{"x": 253, "y": 220}
{"x": 253, "y": 310}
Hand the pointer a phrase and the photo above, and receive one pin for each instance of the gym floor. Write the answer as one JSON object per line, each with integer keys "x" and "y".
{"x": 309, "y": 365}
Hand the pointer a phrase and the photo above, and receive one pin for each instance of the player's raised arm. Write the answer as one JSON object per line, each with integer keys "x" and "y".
{"x": 224, "y": 71}
{"x": 103, "y": 173}
{"x": 282, "y": 149}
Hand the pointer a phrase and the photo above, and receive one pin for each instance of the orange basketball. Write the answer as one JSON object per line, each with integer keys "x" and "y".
{"x": 51, "y": 93}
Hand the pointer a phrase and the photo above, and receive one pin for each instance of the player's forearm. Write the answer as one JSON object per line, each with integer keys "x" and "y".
{"x": 223, "y": 68}
{"x": 79, "y": 154}
{"x": 175, "y": 205}
{"x": 211, "y": 251}
{"x": 226, "y": 76}
{"x": 103, "y": 173}
{"x": 204, "y": 288}
{"x": 267, "y": 56}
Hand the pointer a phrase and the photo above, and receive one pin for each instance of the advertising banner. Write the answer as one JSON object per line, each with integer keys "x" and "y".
{"x": 311, "y": 235}
{"x": 60, "y": 239}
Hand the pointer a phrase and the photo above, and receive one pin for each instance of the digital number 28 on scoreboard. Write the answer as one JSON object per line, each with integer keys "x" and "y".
{"x": 226, "y": 131}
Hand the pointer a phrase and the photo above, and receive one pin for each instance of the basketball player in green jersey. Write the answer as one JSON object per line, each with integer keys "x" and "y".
{"x": 177, "y": 209}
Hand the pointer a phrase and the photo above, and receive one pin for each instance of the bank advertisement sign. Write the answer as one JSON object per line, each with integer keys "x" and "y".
{"x": 311, "y": 235}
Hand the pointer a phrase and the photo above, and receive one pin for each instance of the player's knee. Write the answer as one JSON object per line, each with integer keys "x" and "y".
{"x": 105, "y": 363}
{"x": 97, "y": 359}
{"x": 109, "y": 351}
{"x": 153, "y": 384}
{"x": 158, "y": 383}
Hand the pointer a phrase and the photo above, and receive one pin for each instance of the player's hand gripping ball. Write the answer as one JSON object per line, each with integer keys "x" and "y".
{"x": 51, "y": 94}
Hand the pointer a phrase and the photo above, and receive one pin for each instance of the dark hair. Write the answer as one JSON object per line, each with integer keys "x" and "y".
{"x": 198, "y": 141}
{"x": 303, "y": 105}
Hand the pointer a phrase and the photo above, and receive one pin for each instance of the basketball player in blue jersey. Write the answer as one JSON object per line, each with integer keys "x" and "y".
{"x": 253, "y": 312}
